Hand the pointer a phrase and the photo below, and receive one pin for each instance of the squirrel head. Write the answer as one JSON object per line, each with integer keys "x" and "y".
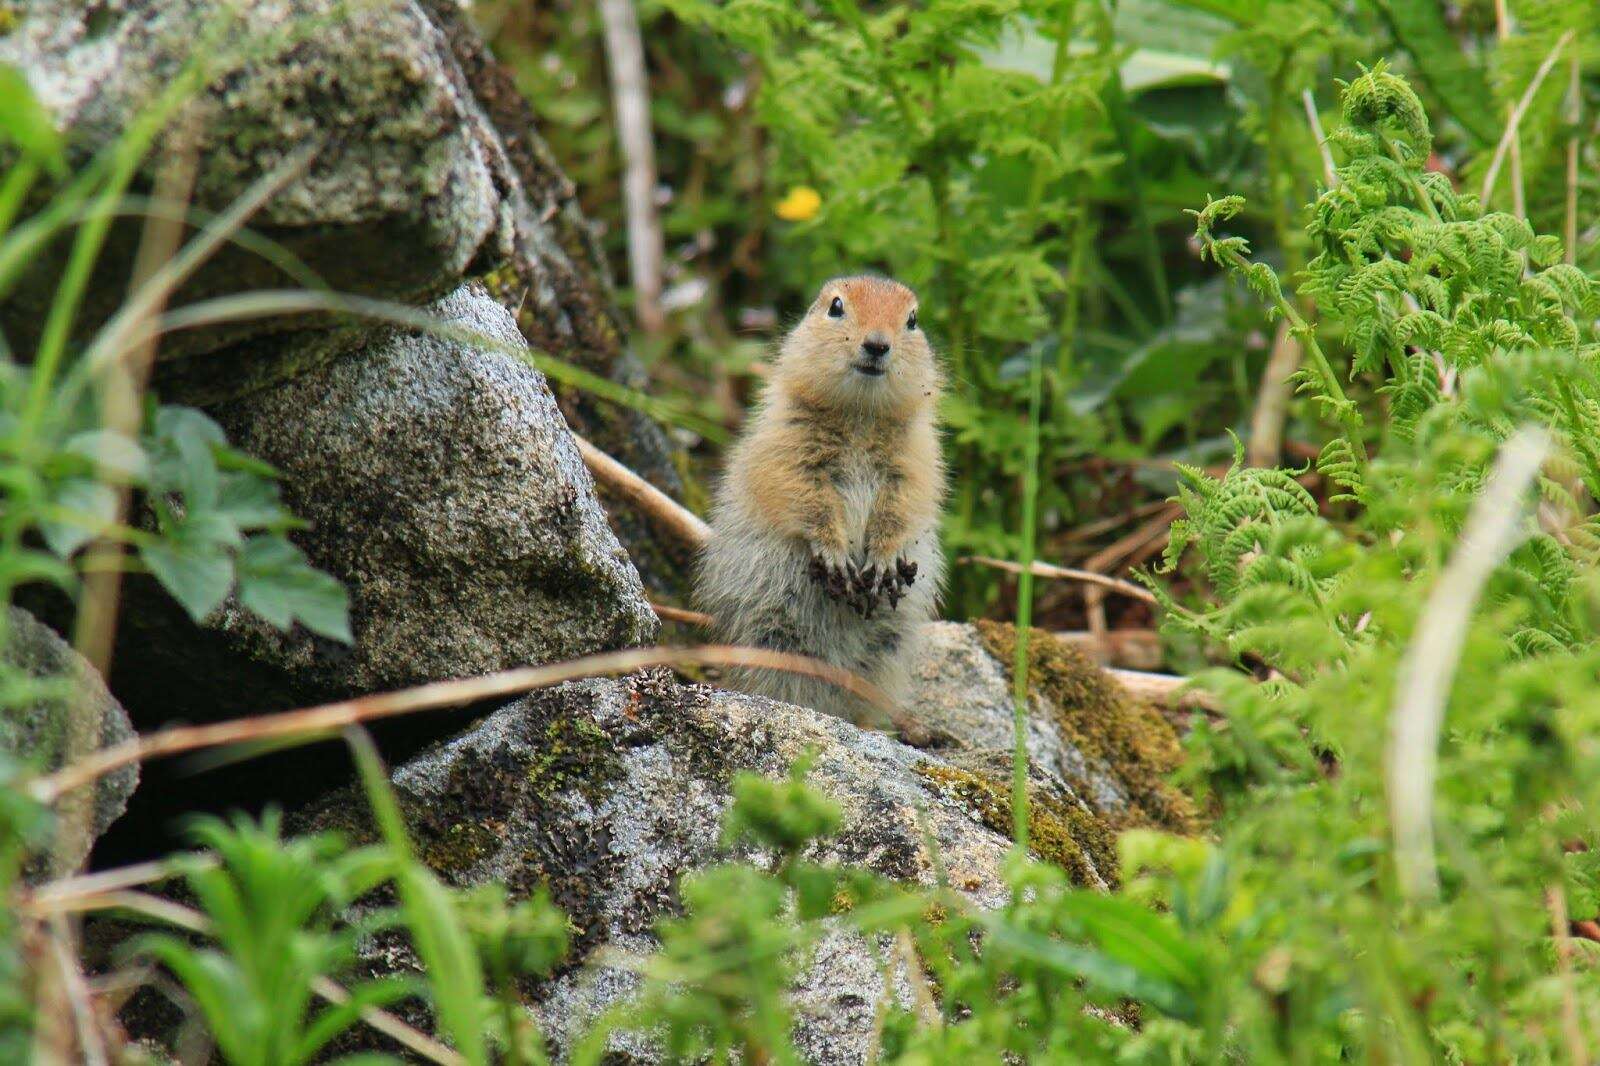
{"x": 859, "y": 347}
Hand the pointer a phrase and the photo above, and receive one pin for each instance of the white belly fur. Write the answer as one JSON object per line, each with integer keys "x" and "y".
{"x": 757, "y": 584}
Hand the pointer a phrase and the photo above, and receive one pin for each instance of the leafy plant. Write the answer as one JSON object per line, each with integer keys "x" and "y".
{"x": 272, "y": 906}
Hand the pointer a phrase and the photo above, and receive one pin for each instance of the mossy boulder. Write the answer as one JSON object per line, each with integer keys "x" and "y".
{"x": 608, "y": 791}
{"x": 419, "y": 167}
{"x": 442, "y": 488}
{"x": 78, "y": 714}
{"x": 402, "y": 195}
{"x": 1082, "y": 727}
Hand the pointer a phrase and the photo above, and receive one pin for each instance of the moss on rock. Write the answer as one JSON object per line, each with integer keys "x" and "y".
{"x": 1071, "y": 837}
{"x": 1135, "y": 742}
{"x": 574, "y": 754}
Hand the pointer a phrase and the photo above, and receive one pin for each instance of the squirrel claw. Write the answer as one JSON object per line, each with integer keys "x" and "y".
{"x": 836, "y": 581}
{"x": 863, "y": 587}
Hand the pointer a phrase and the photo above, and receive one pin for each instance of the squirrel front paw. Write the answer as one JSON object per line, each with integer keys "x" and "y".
{"x": 890, "y": 579}
{"x": 836, "y": 574}
{"x": 864, "y": 588}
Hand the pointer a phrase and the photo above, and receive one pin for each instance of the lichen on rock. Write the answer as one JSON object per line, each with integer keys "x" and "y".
{"x": 36, "y": 732}
{"x": 401, "y": 196}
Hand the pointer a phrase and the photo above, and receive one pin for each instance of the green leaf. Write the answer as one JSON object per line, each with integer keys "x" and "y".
{"x": 209, "y": 528}
{"x": 93, "y": 506}
{"x": 115, "y": 453}
{"x": 22, "y": 566}
{"x": 250, "y": 501}
{"x": 24, "y": 121}
{"x": 1458, "y": 84}
{"x": 277, "y": 583}
{"x": 1132, "y": 933}
{"x": 198, "y": 573}
{"x": 1108, "y": 975}
{"x": 185, "y": 443}
{"x": 1239, "y": 12}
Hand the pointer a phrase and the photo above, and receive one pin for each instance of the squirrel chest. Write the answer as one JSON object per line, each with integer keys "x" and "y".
{"x": 858, "y": 481}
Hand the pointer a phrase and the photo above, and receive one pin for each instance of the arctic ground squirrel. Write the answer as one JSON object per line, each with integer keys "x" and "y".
{"x": 824, "y": 535}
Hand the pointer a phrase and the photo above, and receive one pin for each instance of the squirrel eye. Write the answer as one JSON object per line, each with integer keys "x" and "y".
{"x": 836, "y": 309}
{"x": 911, "y": 323}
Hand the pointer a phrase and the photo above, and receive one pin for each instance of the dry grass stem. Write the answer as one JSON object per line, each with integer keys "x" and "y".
{"x": 1509, "y": 140}
{"x": 1272, "y": 399}
{"x": 1494, "y": 527}
{"x": 667, "y": 514}
{"x": 62, "y": 893}
{"x": 1329, "y": 174}
{"x": 1569, "y": 231}
{"x": 91, "y": 1045}
{"x": 1065, "y": 573}
{"x": 329, "y": 717}
{"x": 630, "y": 101}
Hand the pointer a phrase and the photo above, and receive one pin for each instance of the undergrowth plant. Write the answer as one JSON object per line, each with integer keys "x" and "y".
{"x": 1466, "y": 325}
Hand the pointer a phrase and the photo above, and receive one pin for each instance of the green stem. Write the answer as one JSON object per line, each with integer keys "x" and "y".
{"x": 1349, "y": 417}
{"x": 1030, "y": 480}
{"x": 1019, "y": 668}
{"x": 13, "y": 189}
{"x": 1423, "y": 199}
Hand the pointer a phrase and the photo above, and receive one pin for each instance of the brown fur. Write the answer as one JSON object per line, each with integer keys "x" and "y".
{"x": 824, "y": 538}
{"x": 817, "y": 420}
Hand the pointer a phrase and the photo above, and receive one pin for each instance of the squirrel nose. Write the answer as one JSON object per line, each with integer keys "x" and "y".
{"x": 875, "y": 347}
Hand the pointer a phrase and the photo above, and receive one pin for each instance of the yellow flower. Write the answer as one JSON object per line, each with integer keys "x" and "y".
{"x": 800, "y": 205}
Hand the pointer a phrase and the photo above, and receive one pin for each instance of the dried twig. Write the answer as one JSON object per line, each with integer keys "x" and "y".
{"x": 668, "y": 514}
{"x": 668, "y": 613}
{"x": 1093, "y": 529}
{"x": 331, "y": 716}
{"x": 1067, "y": 573}
{"x": 1509, "y": 141}
{"x": 1165, "y": 689}
{"x": 1555, "y": 899}
{"x": 1493, "y": 529}
{"x": 1152, "y": 534}
{"x": 1132, "y": 649}
{"x": 630, "y": 99}
{"x": 1272, "y": 399}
